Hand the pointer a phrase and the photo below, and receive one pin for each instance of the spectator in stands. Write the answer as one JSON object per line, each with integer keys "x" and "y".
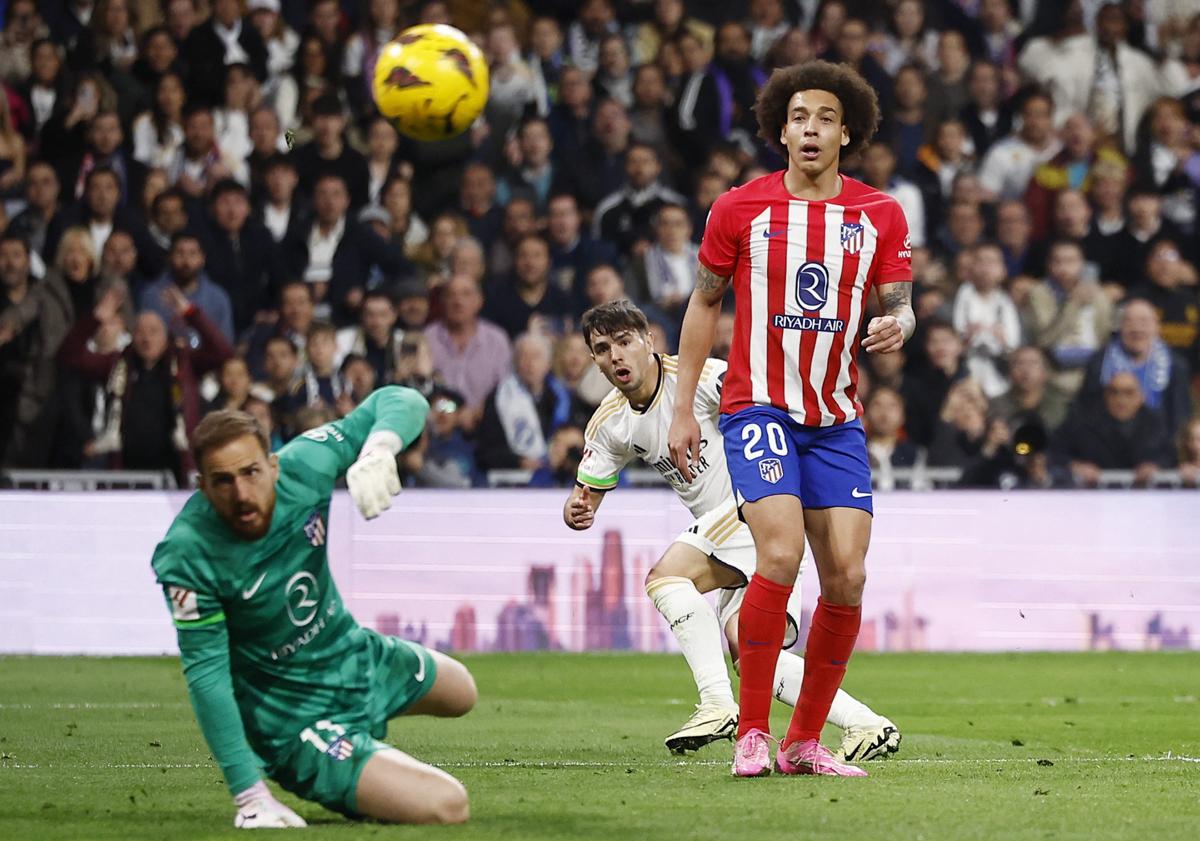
{"x": 470, "y": 354}
{"x": 909, "y": 125}
{"x": 962, "y": 230}
{"x": 185, "y": 274}
{"x": 987, "y": 115}
{"x": 1189, "y": 452}
{"x": 412, "y": 305}
{"x": 99, "y": 212}
{"x": 604, "y": 285}
{"x": 570, "y": 118}
{"x": 546, "y": 61}
{"x": 1116, "y": 432}
{"x": 408, "y": 229}
{"x": 944, "y": 351}
{"x": 120, "y": 260}
{"x": 231, "y": 119}
{"x": 33, "y": 223}
{"x": 528, "y": 301}
{"x": 573, "y": 367}
{"x": 887, "y": 446}
{"x": 477, "y": 201}
{"x": 614, "y": 76}
{"x": 1033, "y": 397}
{"x": 319, "y": 371}
{"x": 105, "y": 139}
{"x": 289, "y": 393}
{"x": 1170, "y": 286}
{"x": 938, "y": 166}
{"x": 233, "y": 377}
{"x": 625, "y": 217}
{"x": 241, "y": 254}
{"x": 606, "y": 152}
{"x": 948, "y": 91}
{"x": 650, "y": 114}
{"x": 573, "y": 253}
{"x": 669, "y": 21}
{"x": 510, "y": 84}
{"x": 698, "y": 106}
{"x": 1138, "y": 348}
{"x": 1168, "y": 160}
{"x": 360, "y": 379}
{"x": 282, "y": 212}
{"x": 666, "y": 272}
{"x": 382, "y": 162}
{"x": 1068, "y": 170}
{"x": 986, "y": 317}
{"x": 22, "y": 26}
{"x": 158, "y": 132}
{"x": 449, "y": 457}
{"x": 1014, "y": 232}
{"x": 1009, "y": 164}
{"x": 519, "y": 222}
{"x": 295, "y": 315}
{"x": 1072, "y": 219}
{"x": 596, "y": 18}
{"x": 1100, "y": 75}
{"x": 46, "y": 89}
{"x": 1144, "y": 225}
{"x": 342, "y": 253}
{"x": 200, "y": 163}
{"x": 432, "y": 257}
{"x": 266, "y": 142}
{"x": 380, "y": 23}
{"x": 152, "y": 387}
{"x": 168, "y": 218}
{"x": 221, "y": 40}
{"x": 15, "y": 348}
{"x": 1068, "y": 315}
{"x": 534, "y": 175}
{"x": 879, "y": 171}
{"x": 376, "y": 338}
{"x": 524, "y": 411}
{"x": 962, "y": 429}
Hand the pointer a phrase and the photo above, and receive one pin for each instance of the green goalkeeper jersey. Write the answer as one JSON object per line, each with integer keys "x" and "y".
{"x": 265, "y": 639}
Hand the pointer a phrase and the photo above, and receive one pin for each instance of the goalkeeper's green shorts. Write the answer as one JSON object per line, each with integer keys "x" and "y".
{"x": 325, "y": 759}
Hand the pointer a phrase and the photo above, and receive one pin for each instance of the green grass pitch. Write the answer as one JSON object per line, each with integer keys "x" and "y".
{"x": 1070, "y": 746}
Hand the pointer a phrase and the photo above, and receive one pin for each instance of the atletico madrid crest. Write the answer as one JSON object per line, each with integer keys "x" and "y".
{"x": 314, "y": 529}
{"x": 771, "y": 470}
{"x": 852, "y": 237}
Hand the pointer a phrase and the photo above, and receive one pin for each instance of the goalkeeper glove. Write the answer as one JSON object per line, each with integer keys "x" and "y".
{"x": 373, "y": 480}
{"x": 258, "y": 809}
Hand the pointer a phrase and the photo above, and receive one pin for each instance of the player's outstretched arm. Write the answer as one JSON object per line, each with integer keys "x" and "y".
{"x": 888, "y": 332}
{"x": 579, "y": 512}
{"x": 695, "y": 341}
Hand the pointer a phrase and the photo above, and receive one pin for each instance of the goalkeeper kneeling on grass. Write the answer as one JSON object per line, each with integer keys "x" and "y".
{"x": 284, "y": 682}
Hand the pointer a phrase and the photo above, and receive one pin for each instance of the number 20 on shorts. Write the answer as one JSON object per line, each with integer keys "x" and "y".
{"x": 752, "y": 434}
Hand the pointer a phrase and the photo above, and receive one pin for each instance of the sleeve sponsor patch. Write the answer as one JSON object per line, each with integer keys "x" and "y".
{"x": 184, "y": 607}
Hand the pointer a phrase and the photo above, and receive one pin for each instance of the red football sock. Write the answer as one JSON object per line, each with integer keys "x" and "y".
{"x": 830, "y": 642}
{"x": 762, "y": 622}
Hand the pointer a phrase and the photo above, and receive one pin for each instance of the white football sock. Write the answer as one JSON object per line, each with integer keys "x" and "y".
{"x": 846, "y": 711}
{"x": 695, "y": 625}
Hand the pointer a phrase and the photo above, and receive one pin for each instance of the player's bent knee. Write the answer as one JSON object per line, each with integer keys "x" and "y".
{"x": 450, "y": 805}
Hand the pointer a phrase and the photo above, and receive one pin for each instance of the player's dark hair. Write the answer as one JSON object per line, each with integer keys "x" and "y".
{"x": 222, "y": 426}
{"x": 860, "y": 105}
{"x": 608, "y": 319}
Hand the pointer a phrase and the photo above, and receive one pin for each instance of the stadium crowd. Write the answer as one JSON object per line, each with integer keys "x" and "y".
{"x": 201, "y": 209}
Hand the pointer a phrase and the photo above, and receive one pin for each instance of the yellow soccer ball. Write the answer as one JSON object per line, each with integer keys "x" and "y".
{"x": 431, "y": 82}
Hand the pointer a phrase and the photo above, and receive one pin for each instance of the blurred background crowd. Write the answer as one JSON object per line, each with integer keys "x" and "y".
{"x": 201, "y": 209}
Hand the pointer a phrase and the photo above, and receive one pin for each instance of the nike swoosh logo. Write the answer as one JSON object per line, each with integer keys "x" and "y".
{"x": 756, "y": 642}
{"x": 249, "y": 594}
{"x": 419, "y": 677}
{"x": 857, "y": 494}
{"x": 771, "y": 234}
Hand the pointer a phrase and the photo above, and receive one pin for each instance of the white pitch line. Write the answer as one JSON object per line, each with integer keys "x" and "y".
{"x": 700, "y": 763}
{"x": 87, "y": 705}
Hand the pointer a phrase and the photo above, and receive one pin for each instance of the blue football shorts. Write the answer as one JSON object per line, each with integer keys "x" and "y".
{"x": 769, "y": 453}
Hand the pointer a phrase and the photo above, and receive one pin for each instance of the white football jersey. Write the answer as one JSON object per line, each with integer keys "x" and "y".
{"x": 619, "y": 433}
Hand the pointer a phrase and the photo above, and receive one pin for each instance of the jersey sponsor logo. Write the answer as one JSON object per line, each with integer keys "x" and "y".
{"x": 249, "y": 593}
{"x": 303, "y": 594}
{"x": 852, "y": 237}
{"x": 812, "y": 285}
{"x": 184, "y": 607}
{"x": 314, "y": 529}
{"x": 809, "y": 322}
{"x": 771, "y": 470}
{"x": 323, "y": 433}
{"x": 905, "y": 252}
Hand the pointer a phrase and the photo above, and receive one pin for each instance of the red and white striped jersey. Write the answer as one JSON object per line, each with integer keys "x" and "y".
{"x": 801, "y": 272}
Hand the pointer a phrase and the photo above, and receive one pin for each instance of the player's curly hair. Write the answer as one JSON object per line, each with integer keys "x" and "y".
{"x": 860, "y": 105}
